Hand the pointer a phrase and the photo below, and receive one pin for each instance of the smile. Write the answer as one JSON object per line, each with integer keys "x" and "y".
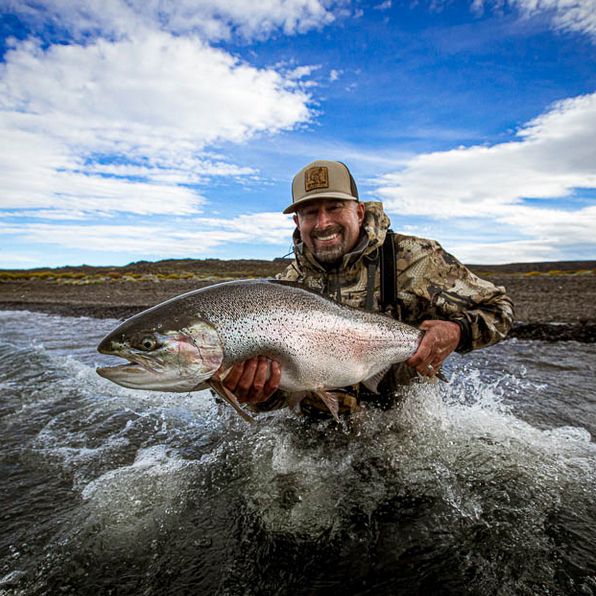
{"x": 328, "y": 238}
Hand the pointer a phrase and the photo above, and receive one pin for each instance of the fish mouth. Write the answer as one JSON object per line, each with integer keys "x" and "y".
{"x": 137, "y": 373}
{"x": 135, "y": 376}
{"x": 131, "y": 375}
{"x": 108, "y": 372}
{"x": 148, "y": 375}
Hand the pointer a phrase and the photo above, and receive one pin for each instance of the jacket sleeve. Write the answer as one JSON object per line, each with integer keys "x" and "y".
{"x": 433, "y": 284}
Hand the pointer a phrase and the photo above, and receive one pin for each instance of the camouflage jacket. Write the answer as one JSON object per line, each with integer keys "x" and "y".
{"x": 432, "y": 284}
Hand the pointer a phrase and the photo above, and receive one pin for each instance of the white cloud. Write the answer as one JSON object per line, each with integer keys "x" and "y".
{"x": 143, "y": 91}
{"x": 270, "y": 228}
{"x": 518, "y": 251}
{"x": 556, "y": 154}
{"x": 567, "y": 15}
{"x": 181, "y": 172}
{"x": 386, "y": 5}
{"x": 211, "y": 19}
{"x": 182, "y": 238}
{"x": 301, "y": 72}
{"x": 558, "y": 227}
{"x": 334, "y": 74}
{"x": 146, "y": 107}
{"x": 553, "y": 158}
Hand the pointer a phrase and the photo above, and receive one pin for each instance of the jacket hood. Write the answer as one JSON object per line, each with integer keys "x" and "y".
{"x": 372, "y": 235}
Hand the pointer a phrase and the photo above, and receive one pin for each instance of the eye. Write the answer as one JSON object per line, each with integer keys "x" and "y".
{"x": 148, "y": 343}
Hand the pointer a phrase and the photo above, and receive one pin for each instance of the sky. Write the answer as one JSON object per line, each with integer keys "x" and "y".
{"x": 150, "y": 129}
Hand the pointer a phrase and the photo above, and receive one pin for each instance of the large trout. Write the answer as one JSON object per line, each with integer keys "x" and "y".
{"x": 189, "y": 342}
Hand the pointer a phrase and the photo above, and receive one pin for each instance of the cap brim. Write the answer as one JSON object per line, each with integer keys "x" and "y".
{"x": 314, "y": 197}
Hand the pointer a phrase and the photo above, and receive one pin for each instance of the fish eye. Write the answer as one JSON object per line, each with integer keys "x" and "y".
{"x": 148, "y": 343}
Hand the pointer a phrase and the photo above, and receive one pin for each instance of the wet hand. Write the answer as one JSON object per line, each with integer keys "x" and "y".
{"x": 253, "y": 380}
{"x": 440, "y": 339}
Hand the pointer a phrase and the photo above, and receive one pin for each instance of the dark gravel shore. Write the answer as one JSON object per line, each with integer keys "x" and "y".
{"x": 548, "y": 307}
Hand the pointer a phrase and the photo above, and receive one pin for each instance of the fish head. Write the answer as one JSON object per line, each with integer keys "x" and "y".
{"x": 162, "y": 359}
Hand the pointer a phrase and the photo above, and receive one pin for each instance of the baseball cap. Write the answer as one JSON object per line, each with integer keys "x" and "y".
{"x": 322, "y": 179}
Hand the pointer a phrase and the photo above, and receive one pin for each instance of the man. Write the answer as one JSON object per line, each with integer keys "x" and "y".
{"x": 338, "y": 245}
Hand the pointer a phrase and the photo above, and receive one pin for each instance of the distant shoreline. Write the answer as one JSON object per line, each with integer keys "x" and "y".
{"x": 553, "y": 301}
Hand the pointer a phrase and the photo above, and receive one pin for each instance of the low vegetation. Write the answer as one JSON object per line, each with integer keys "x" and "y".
{"x": 214, "y": 270}
{"x": 143, "y": 271}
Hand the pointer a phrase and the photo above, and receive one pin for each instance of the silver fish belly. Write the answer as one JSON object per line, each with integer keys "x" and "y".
{"x": 189, "y": 340}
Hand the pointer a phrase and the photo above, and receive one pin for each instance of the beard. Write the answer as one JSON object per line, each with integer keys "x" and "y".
{"x": 332, "y": 253}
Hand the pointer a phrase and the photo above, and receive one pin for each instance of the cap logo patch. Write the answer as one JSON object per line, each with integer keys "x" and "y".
{"x": 317, "y": 177}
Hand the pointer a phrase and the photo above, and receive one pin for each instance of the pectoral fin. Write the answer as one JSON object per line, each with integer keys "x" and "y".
{"x": 228, "y": 396}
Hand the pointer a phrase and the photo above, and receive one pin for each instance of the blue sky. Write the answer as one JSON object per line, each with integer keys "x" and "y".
{"x": 143, "y": 130}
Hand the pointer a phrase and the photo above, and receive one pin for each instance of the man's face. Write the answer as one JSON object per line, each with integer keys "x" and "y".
{"x": 330, "y": 228}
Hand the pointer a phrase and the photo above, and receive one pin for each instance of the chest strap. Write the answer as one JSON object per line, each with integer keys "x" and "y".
{"x": 388, "y": 272}
{"x": 371, "y": 274}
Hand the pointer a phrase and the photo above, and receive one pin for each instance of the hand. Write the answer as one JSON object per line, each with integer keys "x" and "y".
{"x": 441, "y": 338}
{"x": 248, "y": 380}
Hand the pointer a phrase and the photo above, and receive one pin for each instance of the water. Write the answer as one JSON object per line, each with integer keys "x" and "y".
{"x": 482, "y": 486}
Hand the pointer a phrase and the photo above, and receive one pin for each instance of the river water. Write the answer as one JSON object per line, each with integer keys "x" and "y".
{"x": 485, "y": 485}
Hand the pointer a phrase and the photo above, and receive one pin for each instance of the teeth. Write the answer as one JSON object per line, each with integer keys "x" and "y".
{"x": 327, "y": 237}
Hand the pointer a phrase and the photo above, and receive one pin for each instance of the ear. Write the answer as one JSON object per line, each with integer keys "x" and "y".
{"x": 360, "y": 209}
{"x": 295, "y": 218}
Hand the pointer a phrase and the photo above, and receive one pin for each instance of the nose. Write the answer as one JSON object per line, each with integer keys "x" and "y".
{"x": 323, "y": 219}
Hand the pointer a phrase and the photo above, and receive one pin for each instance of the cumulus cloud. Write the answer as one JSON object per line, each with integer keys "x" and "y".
{"x": 553, "y": 158}
{"x": 211, "y": 19}
{"x": 555, "y": 154}
{"x": 78, "y": 122}
{"x": 567, "y": 15}
{"x": 141, "y": 93}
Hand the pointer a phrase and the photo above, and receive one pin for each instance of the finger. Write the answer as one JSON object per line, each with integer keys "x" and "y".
{"x": 233, "y": 376}
{"x": 272, "y": 384}
{"x": 255, "y": 393}
{"x": 436, "y": 363}
{"x": 426, "y": 370}
{"x": 246, "y": 379}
